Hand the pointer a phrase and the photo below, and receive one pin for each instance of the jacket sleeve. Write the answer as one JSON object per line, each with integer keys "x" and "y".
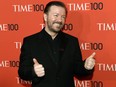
{"x": 79, "y": 68}
{"x": 26, "y": 70}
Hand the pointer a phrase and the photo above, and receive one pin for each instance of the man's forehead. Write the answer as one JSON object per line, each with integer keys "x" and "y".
{"x": 55, "y": 8}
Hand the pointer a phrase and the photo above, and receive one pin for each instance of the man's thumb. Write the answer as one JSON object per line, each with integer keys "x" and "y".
{"x": 93, "y": 54}
{"x": 35, "y": 61}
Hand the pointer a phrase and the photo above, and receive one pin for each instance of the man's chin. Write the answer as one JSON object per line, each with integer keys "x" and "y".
{"x": 56, "y": 30}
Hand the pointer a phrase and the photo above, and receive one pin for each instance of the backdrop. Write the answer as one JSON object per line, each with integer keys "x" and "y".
{"x": 92, "y": 21}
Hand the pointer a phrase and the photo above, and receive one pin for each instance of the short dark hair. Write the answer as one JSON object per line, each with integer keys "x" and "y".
{"x": 54, "y": 3}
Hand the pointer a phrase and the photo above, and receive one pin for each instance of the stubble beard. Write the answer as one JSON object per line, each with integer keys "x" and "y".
{"x": 60, "y": 26}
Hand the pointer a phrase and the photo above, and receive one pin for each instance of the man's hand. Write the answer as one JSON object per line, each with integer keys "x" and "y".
{"x": 90, "y": 62}
{"x": 38, "y": 68}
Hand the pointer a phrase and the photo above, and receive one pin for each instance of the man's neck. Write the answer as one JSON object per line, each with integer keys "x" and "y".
{"x": 52, "y": 34}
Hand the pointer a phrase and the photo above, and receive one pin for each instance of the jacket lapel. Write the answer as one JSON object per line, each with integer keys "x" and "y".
{"x": 63, "y": 46}
{"x": 63, "y": 51}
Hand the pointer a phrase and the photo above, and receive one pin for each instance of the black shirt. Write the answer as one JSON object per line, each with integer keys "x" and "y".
{"x": 54, "y": 45}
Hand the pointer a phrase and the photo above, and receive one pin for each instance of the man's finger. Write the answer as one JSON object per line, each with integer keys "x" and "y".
{"x": 35, "y": 61}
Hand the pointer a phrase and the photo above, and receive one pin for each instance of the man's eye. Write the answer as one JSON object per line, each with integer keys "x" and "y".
{"x": 56, "y": 15}
{"x": 63, "y": 17}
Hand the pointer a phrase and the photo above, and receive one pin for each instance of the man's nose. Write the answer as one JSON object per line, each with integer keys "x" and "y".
{"x": 59, "y": 19}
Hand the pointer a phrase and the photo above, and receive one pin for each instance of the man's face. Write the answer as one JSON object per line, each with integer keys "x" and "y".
{"x": 55, "y": 18}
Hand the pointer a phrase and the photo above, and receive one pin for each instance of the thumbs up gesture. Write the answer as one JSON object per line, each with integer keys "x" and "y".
{"x": 38, "y": 68}
{"x": 90, "y": 62}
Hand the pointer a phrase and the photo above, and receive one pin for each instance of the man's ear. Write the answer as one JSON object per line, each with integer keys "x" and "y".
{"x": 45, "y": 17}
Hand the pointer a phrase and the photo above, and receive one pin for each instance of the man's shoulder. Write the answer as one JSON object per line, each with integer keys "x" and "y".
{"x": 32, "y": 36}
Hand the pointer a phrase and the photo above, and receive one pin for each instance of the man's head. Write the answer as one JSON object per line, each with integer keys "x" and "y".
{"x": 54, "y": 16}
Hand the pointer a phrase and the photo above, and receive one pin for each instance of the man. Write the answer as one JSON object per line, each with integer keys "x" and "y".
{"x": 51, "y": 58}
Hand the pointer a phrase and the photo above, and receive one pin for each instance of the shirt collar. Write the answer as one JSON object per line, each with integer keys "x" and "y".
{"x": 49, "y": 36}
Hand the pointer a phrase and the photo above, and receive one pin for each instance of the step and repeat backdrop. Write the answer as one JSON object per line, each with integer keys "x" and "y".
{"x": 92, "y": 21}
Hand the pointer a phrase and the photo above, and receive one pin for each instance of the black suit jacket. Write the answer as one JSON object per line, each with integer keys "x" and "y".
{"x": 61, "y": 75}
